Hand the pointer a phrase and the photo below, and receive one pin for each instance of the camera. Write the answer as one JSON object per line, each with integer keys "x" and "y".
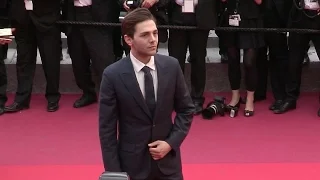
{"x": 133, "y": 4}
{"x": 215, "y": 107}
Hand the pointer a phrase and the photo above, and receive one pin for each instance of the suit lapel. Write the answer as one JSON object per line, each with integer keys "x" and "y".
{"x": 129, "y": 79}
{"x": 162, "y": 82}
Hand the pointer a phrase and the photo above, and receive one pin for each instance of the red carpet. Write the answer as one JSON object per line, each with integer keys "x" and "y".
{"x": 64, "y": 145}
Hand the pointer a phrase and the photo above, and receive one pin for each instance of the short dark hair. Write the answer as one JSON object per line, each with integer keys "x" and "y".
{"x": 133, "y": 18}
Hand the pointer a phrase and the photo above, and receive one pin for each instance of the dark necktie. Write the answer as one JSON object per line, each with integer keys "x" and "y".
{"x": 149, "y": 90}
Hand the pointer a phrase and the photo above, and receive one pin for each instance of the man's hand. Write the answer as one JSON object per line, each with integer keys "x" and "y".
{"x": 6, "y": 39}
{"x": 148, "y": 3}
{"x": 125, "y": 6}
{"x": 159, "y": 149}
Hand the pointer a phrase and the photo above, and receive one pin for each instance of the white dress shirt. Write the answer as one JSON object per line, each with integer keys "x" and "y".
{"x": 181, "y": 2}
{"x": 137, "y": 66}
{"x": 82, "y": 3}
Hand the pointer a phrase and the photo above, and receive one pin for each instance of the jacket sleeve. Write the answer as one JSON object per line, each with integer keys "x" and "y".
{"x": 184, "y": 108}
{"x": 108, "y": 118}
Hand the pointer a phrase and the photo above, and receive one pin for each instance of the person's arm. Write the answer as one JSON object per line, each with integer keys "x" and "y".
{"x": 108, "y": 118}
{"x": 184, "y": 108}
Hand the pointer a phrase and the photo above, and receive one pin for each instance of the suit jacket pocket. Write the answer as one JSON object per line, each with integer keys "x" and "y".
{"x": 131, "y": 159}
{"x": 127, "y": 147}
{"x": 171, "y": 163}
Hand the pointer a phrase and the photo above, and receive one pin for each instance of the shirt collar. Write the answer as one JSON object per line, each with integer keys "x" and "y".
{"x": 138, "y": 65}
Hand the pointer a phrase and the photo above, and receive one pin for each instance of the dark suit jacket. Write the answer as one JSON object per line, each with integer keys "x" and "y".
{"x": 44, "y": 15}
{"x": 206, "y": 14}
{"x": 4, "y": 13}
{"x": 121, "y": 101}
{"x": 277, "y": 8}
{"x": 102, "y": 11}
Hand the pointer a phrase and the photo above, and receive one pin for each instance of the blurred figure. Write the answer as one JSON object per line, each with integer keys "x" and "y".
{"x": 245, "y": 14}
{"x": 36, "y": 28}
{"x": 276, "y": 14}
{"x": 90, "y": 46}
{"x": 204, "y": 16}
{"x": 304, "y": 16}
{"x": 4, "y": 23}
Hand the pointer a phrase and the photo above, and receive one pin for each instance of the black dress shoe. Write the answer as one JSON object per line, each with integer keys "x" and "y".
{"x": 285, "y": 107}
{"x": 1, "y": 110}
{"x": 85, "y": 100}
{"x": 15, "y": 107}
{"x": 276, "y": 105}
{"x": 52, "y": 106}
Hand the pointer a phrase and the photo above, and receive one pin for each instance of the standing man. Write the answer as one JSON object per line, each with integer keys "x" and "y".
{"x": 137, "y": 97}
{"x": 88, "y": 45}
{"x": 304, "y": 17}
{"x": 4, "y": 21}
{"x": 204, "y": 16}
{"x": 4, "y": 6}
{"x": 35, "y": 23}
{"x": 276, "y": 14}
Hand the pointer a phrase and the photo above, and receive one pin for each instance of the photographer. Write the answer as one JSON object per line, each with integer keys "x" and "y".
{"x": 4, "y": 22}
{"x": 204, "y": 16}
{"x": 305, "y": 15}
{"x": 275, "y": 15}
{"x": 90, "y": 46}
{"x": 243, "y": 14}
{"x": 36, "y": 28}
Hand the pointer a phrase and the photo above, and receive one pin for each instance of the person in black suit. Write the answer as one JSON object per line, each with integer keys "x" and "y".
{"x": 304, "y": 17}
{"x": 3, "y": 51}
{"x": 138, "y": 94}
{"x": 205, "y": 18}
{"x": 4, "y": 7}
{"x": 35, "y": 23}
{"x": 276, "y": 14}
{"x": 90, "y": 46}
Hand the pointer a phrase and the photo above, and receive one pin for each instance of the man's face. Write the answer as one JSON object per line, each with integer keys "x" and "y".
{"x": 145, "y": 38}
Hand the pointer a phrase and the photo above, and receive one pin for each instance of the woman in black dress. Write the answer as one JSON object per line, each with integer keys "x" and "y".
{"x": 244, "y": 14}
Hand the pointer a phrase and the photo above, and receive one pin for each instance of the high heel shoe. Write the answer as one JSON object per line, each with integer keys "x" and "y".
{"x": 248, "y": 113}
{"x": 233, "y": 110}
{"x": 229, "y": 107}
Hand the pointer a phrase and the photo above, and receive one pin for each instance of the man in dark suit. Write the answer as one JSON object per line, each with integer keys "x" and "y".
{"x": 35, "y": 23}
{"x": 4, "y": 7}
{"x": 205, "y": 18}
{"x": 4, "y": 23}
{"x": 304, "y": 17}
{"x": 137, "y": 96}
{"x": 90, "y": 45}
{"x": 276, "y": 14}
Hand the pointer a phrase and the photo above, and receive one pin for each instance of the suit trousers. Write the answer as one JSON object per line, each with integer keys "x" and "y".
{"x": 277, "y": 44}
{"x": 3, "y": 83}
{"x": 89, "y": 47}
{"x": 196, "y": 41}
{"x": 298, "y": 45}
{"x": 29, "y": 39}
{"x": 3, "y": 73}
